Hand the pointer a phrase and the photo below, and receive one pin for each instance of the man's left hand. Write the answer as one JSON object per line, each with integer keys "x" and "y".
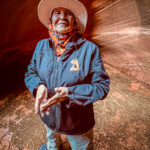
{"x": 61, "y": 95}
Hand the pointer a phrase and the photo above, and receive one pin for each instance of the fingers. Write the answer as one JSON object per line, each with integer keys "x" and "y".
{"x": 37, "y": 105}
{"x": 57, "y": 90}
{"x": 40, "y": 96}
{"x": 63, "y": 91}
{"x": 47, "y": 112}
{"x": 52, "y": 101}
{"x": 42, "y": 104}
{"x": 42, "y": 114}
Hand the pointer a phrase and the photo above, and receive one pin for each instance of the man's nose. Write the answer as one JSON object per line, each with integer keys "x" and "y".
{"x": 62, "y": 15}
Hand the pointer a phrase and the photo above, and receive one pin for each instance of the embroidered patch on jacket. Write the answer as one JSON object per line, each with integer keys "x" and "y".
{"x": 75, "y": 65}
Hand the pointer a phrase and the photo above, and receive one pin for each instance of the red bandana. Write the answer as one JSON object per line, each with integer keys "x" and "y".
{"x": 60, "y": 39}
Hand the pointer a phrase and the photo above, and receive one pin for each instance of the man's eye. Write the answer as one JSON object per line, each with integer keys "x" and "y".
{"x": 57, "y": 12}
{"x": 68, "y": 13}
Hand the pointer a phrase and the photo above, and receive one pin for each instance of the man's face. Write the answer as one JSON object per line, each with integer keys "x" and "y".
{"x": 62, "y": 20}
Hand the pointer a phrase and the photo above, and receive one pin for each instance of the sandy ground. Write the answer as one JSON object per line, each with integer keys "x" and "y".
{"x": 122, "y": 119}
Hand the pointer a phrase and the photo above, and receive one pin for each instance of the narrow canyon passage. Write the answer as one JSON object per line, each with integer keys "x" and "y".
{"x": 122, "y": 31}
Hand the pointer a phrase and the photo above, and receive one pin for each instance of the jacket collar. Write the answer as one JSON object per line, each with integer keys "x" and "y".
{"x": 75, "y": 43}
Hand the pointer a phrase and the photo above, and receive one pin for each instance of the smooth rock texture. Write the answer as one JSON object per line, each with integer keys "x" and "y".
{"x": 121, "y": 28}
{"x": 122, "y": 119}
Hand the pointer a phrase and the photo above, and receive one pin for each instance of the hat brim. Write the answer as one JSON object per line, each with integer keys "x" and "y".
{"x": 45, "y": 8}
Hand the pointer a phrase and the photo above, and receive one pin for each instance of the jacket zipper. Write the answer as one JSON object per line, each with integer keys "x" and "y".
{"x": 56, "y": 84}
{"x": 57, "y": 70}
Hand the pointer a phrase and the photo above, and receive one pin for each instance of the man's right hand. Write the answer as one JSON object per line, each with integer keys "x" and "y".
{"x": 41, "y": 97}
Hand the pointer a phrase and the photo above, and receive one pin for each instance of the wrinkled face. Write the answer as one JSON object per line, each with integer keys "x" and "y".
{"x": 62, "y": 20}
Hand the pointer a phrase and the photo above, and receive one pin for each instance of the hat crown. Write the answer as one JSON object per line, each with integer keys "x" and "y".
{"x": 46, "y": 7}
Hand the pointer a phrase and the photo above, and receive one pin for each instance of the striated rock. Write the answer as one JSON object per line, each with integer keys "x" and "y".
{"x": 121, "y": 29}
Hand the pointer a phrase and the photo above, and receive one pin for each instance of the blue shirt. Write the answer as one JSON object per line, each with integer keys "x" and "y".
{"x": 80, "y": 69}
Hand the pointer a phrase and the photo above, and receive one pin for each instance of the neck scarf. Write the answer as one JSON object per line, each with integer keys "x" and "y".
{"x": 61, "y": 40}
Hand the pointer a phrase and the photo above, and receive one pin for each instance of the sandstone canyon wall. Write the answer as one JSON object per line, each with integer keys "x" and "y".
{"x": 120, "y": 27}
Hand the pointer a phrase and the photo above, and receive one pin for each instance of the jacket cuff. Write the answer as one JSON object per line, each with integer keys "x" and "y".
{"x": 71, "y": 97}
{"x": 70, "y": 90}
{"x": 35, "y": 89}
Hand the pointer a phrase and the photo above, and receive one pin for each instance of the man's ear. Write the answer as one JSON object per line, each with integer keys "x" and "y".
{"x": 50, "y": 20}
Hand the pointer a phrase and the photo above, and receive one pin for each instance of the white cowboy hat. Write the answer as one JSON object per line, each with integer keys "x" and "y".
{"x": 46, "y": 7}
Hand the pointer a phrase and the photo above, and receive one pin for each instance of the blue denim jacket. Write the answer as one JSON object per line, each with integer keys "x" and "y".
{"x": 80, "y": 69}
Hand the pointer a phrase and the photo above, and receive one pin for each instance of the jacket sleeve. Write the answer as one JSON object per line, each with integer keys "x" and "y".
{"x": 97, "y": 89}
{"x": 32, "y": 79}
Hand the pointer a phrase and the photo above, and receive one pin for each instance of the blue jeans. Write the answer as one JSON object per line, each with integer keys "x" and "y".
{"x": 77, "y": 142}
